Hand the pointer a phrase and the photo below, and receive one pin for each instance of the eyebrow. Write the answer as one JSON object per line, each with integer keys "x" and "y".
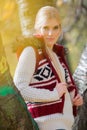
{"x": 54, "y": 26}
{"x": 45, "y": 26}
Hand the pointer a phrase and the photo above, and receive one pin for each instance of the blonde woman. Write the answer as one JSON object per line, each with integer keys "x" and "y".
{"x": 48, "y": 89}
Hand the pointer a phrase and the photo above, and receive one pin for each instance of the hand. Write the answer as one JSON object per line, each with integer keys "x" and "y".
{"x": 78, "y": 100}
{"x": 61, "y": 89}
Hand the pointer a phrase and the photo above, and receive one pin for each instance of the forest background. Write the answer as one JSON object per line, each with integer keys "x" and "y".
{"x": 74, "y": 21}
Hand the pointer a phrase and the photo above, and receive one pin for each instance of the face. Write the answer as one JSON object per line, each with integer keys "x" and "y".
{"x": 50, "y": 31}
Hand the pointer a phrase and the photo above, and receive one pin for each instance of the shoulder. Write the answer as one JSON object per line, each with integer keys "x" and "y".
{"x": 58, "y": 46}
{"x": 28, "y": 49}
{"x": 29, "y": 54}
{"x": 25, "y": 50}
{"x": 59, "y": 49}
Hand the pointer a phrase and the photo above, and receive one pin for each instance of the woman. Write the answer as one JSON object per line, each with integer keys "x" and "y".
{"x": 47, "y": 88}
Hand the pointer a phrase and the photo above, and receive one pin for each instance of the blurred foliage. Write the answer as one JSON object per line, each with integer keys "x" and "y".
{"x": 9, "y": 29}
{"x": 73, "y": 15}
{"x": 74, "y": 21}
{"x": 13, "y": 110}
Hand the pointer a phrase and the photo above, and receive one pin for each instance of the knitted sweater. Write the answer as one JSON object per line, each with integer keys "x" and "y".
{"x": 38, "y": 88}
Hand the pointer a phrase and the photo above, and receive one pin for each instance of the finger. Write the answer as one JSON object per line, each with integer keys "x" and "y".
{"x": 77, "y": 97}
{"x": 78, "y": 101}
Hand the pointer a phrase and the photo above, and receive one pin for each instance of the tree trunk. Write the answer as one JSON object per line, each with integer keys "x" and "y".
{"x": 80, "y": 77}
{"x": 80, "y": 74}
{"x": 13, "y": 110}
{"x": 27, "y": 12}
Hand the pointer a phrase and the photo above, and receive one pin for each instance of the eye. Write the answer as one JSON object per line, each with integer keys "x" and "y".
{"x": 57, "y": 27}
{"x": 45, "y": 28}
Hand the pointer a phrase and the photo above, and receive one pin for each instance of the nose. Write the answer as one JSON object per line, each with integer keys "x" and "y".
{"x": 50, "y": 32}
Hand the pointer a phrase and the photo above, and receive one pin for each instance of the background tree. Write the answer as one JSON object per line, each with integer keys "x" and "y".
{"x": 27, "y": 13}
{"x": 13, "y": 110}
{"x": 80, "y": 77}
{"x": 74, "y": 21}
{"x": 74, "y": 31}
{"x": 80, "y": 74}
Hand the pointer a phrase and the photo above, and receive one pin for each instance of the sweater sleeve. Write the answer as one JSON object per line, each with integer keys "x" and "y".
{"x": 22, "y": 77}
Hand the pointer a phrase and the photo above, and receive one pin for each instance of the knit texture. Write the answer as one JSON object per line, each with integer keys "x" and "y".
{"x": 23, "y": 77}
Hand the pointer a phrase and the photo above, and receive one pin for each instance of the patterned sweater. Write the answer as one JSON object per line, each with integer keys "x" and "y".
{"x": 38, "y": 86}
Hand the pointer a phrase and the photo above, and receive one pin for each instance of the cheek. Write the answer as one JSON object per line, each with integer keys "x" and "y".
{"x": 43, "y": 34}
{"x": 57, "y": 34}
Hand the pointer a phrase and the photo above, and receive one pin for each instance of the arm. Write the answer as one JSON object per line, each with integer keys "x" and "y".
{"x": 76, "y": 98}
{"x": 23, "y": 75}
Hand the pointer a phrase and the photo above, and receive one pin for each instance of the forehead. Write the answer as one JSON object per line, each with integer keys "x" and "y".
{"x": 50, "y": 22}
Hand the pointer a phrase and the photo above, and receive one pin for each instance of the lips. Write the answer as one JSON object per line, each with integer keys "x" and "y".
{"x": 50, "y": 39}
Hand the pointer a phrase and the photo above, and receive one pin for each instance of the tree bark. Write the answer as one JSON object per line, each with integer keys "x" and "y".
{"x": 80, "y": 77}
{"x": 13, "y": 110}
{"x": 80, "y": 74}
{"x": 27, "y": 12}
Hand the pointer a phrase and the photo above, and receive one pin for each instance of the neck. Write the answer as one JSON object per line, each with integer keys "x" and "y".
{"x": 50, "y": 47}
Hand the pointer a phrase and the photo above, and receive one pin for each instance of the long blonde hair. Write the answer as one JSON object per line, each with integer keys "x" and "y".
{"x": 45, "y": 13}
